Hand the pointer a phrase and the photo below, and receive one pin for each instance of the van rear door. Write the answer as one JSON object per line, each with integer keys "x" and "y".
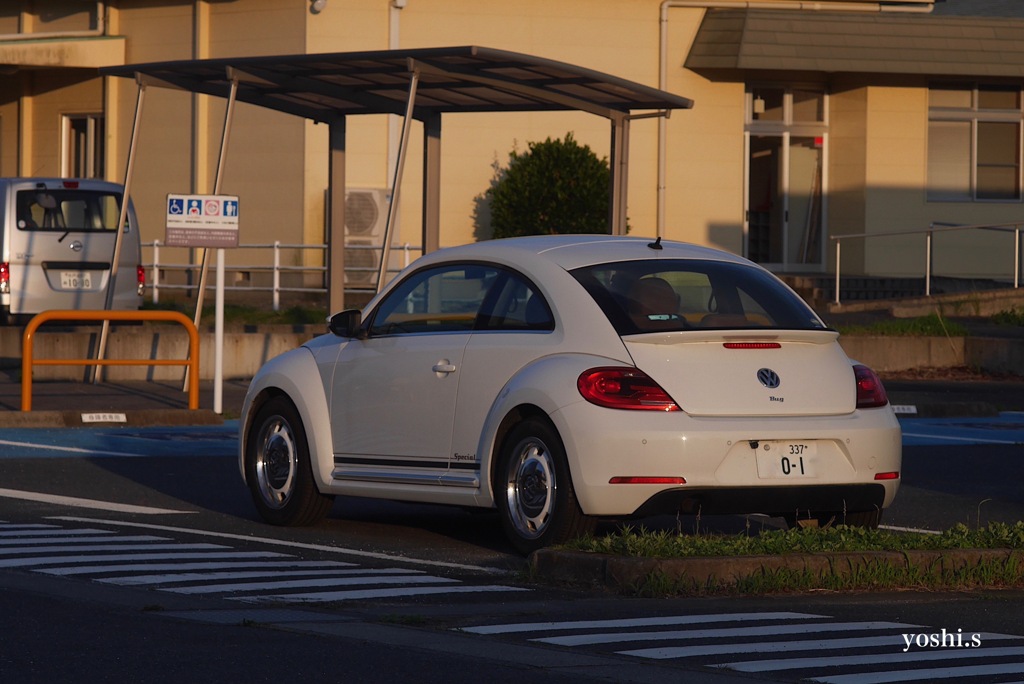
{"x": 62, "y": 247}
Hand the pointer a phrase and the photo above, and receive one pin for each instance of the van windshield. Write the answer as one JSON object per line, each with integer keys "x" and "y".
{"x": 65, "y": 209}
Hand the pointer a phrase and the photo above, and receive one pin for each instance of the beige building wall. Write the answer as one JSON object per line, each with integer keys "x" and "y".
{"x": 277, "y": 164}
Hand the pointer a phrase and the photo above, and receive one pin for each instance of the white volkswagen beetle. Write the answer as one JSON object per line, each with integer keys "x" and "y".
{"x": 563, "y": 379}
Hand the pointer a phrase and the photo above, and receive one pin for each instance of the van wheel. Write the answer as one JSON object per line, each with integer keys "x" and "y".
{"x": 278, "y": 469}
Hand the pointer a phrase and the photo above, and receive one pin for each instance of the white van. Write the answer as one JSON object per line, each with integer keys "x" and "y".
{"x": 57, "y": 237}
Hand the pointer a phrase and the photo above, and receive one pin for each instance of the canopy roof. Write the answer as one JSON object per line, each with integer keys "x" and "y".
{"x": 325, "y": 87}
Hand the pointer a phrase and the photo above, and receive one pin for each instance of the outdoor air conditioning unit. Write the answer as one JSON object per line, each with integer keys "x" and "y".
{"x": 366, "y": 212}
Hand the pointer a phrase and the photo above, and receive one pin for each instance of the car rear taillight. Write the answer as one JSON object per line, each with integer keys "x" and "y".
{"x": 5, "y": 277}
{"x": 140, "y": 278}
{"x": 71, "y": 185}
{"x": 624, "y": 388}
{"x": 870, "y": 393}
{"x": 752, "y": 345}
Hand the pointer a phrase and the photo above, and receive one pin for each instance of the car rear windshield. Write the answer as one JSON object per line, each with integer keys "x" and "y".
{"x": 65, "y": 209}
{"x": 688, "y": 294}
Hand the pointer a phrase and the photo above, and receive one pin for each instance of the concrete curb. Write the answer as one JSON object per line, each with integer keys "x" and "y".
{"x": 136, "y": 418}
{"x": 624, "y": 574}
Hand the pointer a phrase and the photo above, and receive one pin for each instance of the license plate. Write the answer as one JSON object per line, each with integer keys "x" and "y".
{"x": 787, "y": 460}
{"x": 76, "y": 280}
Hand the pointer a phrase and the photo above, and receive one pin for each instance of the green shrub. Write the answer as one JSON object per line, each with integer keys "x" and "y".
{"x": 556, "y": 186}
{"x": 931, "y": 325}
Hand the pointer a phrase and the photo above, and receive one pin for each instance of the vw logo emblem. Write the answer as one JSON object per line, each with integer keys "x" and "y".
{"x": 768, "y": 378}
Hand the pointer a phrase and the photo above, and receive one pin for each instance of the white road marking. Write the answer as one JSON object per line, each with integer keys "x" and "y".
{"x": 373, "y": 594}
{"x": 226, "y": 565}
{"x": 931, "y": 675}
{"x": 871, "y": 659}
{"x": 85, "y": 503}
{"x": 70, "y": 450}
{"x": 64, "y": 560}
{"x": 267, "y": 571}
{"x": 950, "y": 438}
{"x": 311, "y": 584}
{"x": 730, "y": 632}
{"x": 633, "y": 622}
{"x": 291, "y": 544}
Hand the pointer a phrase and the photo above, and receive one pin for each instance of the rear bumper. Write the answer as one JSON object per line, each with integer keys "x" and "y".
{"x": 772, "y": 500}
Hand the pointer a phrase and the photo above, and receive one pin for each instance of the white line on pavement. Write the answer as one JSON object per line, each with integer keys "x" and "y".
{"x": 85, "y": 503}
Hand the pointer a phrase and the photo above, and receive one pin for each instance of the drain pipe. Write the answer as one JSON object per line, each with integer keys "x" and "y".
{"x": 100, "y": 30}
{"x": 923, "y": 7}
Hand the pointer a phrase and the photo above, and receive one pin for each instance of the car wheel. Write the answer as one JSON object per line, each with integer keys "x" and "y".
{"x": 536, "y": 500}
{"x": 278, "y": 470}
{"x": 869, "y": 519}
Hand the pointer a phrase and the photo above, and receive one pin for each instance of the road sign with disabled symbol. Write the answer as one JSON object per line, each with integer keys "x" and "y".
{"x": 202, "y": 221}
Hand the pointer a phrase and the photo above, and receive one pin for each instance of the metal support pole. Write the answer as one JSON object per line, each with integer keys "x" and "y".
{"x": 121, "y": 219}
{"x": 156, "y": 271}
{"x": 1016, "y": 257}
{"x": 839, "y": 257}
{"x": 218, "y": 352}
{"x": 277, "y": 275}
{"x": 928, "y": 265}
{"x": 397, "y": 183}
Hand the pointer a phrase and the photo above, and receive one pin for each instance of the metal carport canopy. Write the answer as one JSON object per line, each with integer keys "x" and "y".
{"x": 423, "y": 84}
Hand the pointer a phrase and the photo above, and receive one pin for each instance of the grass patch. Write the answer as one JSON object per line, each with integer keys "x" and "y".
{"x": 665, "y": 544}
{"x": 931, "y": 325}
{"x": 249, "y": 315}
{"x": 1013, "y": 317}
{"x": 962, "y": 560}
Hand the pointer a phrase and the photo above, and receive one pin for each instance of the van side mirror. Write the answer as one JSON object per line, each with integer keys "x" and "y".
{"x": 347, "y": 323}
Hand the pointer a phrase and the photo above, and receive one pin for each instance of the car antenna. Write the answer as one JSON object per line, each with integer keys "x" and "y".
{"x": 656, "y": 244}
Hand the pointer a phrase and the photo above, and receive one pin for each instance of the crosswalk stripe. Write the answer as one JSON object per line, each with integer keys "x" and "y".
{"x": 174, "y": 578}
{"x": 634, "y": 622}
{"x": 62, "y": 560}
{"x": 225, "y": 565}
{"x": 751, "y": 632}
{"x": 72, "y": 539}
{"x": 875, "y": 658}
{"x": 309, "y": 584}
{"x": 125, "y": 560}
{"x": 356, "y": 595}
{"x": 12, "y": 551}
{"x": 932, "y": 674}
{"x": 667, "y": 652}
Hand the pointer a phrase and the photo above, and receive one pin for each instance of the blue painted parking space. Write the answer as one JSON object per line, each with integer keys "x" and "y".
{"x": 104, "y": 442}
{"x": 1004, "y": 429}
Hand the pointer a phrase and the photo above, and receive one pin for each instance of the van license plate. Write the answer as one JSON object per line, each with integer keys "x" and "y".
{"x": 76, "y": 280}
{"x": 787, "y": 460}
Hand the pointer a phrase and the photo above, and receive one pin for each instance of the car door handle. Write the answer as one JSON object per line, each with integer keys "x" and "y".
{"x": 443, "y": 367}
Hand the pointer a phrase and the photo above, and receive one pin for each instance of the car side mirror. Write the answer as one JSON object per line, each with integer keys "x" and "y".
{"x": 347, "y": 323}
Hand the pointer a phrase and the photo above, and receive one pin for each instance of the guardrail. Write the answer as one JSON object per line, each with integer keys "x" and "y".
{"x": 28, "y": 359}
{"x": 275, "y": 268}
{"x": 936, "y": 227}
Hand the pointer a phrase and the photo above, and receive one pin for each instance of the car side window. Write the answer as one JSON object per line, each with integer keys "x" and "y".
{"x": 514, "y": 304}
{"x": 441, "y": 299}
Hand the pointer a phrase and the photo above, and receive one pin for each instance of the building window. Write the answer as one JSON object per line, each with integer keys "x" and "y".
{"x": 83, "y": 146}
{"x": 974, "y": 143}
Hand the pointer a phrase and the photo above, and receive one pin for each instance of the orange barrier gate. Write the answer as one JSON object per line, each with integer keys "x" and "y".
{"x": 27, "y": 360}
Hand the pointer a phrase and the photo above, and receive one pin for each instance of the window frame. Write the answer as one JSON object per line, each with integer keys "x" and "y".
{"x": 975, "y": 117}
{"x": 76, "y": 162}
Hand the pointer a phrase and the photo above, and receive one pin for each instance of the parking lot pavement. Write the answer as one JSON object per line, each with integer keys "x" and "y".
{"x": 58, "y": 404}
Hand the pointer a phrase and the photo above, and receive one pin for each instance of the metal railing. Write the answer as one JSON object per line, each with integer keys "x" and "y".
{"x": 28, "y": 359}
{"x": 274, "y": 267}
{"x": 936, "y": 227}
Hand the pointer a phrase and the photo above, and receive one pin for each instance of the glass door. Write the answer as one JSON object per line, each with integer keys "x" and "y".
{"x": 785, "y": 178}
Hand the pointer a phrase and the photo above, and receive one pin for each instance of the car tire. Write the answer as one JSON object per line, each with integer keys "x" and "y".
{"x": 868, "y": 519}
{"x": 534, "y": 491}
{"x": 278, "y": 469}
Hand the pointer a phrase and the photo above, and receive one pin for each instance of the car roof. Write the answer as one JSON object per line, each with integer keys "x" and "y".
{"x": 575, "y": 251}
